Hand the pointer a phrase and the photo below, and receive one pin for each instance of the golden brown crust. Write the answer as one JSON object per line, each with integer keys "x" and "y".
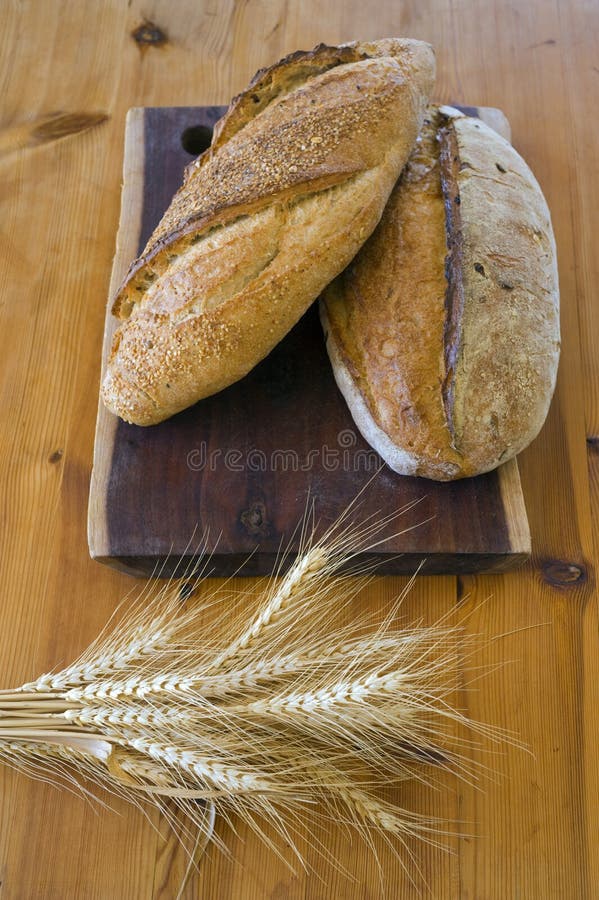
{"x": 263, "y": 222}
{"x": 395, "y": 341}
{"x": 274, "y": 81}
{"x": 282, "y": 144}
{"x": 385, "y": 317}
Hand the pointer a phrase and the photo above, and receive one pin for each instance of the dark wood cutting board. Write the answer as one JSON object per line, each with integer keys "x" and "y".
{"x": 242, "y": 466}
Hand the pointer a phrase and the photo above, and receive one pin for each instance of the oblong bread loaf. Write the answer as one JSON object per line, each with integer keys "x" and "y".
{"x": 444, "y": 331}
{"x": 295, "y": 181}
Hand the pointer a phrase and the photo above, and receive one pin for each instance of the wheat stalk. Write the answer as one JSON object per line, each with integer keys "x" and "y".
{"x": 288, "y": 712}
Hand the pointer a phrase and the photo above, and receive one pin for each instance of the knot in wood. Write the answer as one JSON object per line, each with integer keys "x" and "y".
{"x": 560, "y": 573}
{"x": 255, "y": 520}
{"x": 148, "y": 34}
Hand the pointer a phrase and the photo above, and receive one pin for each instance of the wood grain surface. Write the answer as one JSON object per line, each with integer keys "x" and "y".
{"x": 68, "y": 73}
{"x": 241, "y": 468}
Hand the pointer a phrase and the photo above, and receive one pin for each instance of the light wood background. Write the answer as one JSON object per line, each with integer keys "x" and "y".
{"x": 68, "y": 73}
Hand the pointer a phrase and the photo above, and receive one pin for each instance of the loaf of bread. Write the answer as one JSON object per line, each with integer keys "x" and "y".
{"x": 443, "y": 333}
{"x": 295, "y": 181}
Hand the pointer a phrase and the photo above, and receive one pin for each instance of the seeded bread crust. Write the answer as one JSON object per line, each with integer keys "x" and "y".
{"x": 294, "y": 183}
{"x": 444, "y": 331}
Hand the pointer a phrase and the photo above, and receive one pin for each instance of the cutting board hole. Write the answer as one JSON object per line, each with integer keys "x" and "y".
{"x": 196, "y": 139}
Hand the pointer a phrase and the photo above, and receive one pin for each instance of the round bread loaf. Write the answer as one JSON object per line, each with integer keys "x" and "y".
{"x": 444, "y": 331}
{"x": 295, "y": 181}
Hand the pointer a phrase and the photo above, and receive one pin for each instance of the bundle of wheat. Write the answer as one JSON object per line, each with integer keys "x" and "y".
{"x": 260, "y": 719}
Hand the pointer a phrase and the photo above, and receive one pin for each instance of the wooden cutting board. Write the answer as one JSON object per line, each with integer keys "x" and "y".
{"x": 243, "y": 466}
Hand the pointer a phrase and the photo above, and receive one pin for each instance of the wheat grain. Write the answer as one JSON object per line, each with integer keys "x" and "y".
{"x": 138, "y": 769}
{"x": 106, "y": 665}
{"x": 327, "y": 699}
{"x": 210, "y": 771}
{"x": 134, "y": 687}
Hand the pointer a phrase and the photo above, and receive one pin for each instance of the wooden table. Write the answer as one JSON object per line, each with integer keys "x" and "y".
{"x": 69, "y": 73}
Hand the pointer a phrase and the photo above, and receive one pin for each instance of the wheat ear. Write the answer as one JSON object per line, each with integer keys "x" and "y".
{"x": 294, "y": 585}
